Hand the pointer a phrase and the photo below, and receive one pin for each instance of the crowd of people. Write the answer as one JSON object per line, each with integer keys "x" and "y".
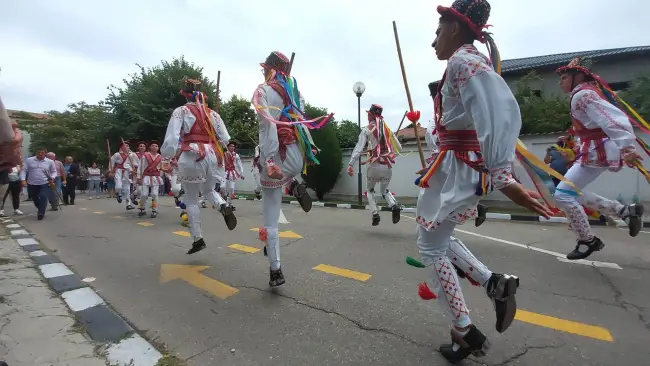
{"x": 476, "y": 125}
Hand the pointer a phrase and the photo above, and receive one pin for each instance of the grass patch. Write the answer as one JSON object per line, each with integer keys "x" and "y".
{"x": 168, "y": 360}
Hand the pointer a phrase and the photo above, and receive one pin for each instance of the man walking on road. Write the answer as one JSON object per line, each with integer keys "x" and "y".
{"x": 59, "y": 181}
{"x": 72, "y": 174}
{"x": 41, "y": 173}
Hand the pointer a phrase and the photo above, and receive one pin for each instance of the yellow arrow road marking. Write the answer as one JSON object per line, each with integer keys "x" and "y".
{"x": 244, "y": 248}
{"x": 283, "y": 234}
{"x": 183, "y": 233}
{"x": 193, "y": 276}
{"x": 145, "y": 224}
{"x": 343, "y": 272}
{"x": 568, "y": 326}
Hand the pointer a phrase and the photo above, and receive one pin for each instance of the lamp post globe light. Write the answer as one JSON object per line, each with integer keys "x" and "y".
{"x": 358, "y": 88}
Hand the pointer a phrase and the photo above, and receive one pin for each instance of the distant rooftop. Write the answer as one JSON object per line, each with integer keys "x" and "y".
{"x": 528, "y": 63}
{"x": 13, "y": 114}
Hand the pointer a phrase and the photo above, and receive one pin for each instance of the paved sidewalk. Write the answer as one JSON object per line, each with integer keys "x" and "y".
{"x": 36, "y": 327}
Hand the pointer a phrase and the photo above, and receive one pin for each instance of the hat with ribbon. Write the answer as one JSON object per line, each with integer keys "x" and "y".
{"x": 473, "y": 13}
{"x": 579, "y": 64}
{"x": 375, "y": 110}
{"x": 277, "y": 61}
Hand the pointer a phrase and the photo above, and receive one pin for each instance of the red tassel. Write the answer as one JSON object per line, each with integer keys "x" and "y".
{"x": 472, "y": 281}
{"x": 263, "y": 234}
{"x": 425, "y": 292}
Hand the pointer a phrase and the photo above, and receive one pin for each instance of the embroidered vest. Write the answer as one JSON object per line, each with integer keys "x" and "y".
{"x": 152, "y": 165}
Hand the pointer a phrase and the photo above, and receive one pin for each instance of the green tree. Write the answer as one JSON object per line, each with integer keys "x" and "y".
{"x": 144, "y": 105}
{"x": 322, "y": 178}
{"x": 638, "y": 95}
{"x": 77, "y": 132}
{"x": 347, "y": 133}
{"x": 240, "y": 119}
{"x": 540, "y": 114}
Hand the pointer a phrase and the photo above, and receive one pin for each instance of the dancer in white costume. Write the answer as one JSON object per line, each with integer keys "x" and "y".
{"x": 434, "y": 142}
{"x": 123, "y": 163}
{"x": 136, "y": 188}
{"x": 256, "y": 169}
{"x": 234, "y": 171}
{"x": 149, "y": 179}
{"x": 285, "y": 146}
{"x": 199, "y": 134}
{"x": 381, "y": 151}
{"x": 478, "y": 122}
{"x": 607, "y": 142}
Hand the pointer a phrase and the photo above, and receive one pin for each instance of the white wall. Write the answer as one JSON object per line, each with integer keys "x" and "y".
{"x": 627, "y": 182}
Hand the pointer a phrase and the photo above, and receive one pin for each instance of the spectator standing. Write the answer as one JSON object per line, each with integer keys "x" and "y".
{"x": 15, "y": 190}
{"x": 110, "y": 184}
{"x": 41, "y": 172}
{"x": 59, "y": 181}
{"x": 94, "y": 180}
{"x": 72, "y": 175}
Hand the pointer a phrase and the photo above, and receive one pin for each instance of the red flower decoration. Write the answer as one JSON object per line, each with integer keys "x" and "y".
{"x": 413, "y": 116}
{"x": 425, "y": 292}
{"x": 264, "y": 235}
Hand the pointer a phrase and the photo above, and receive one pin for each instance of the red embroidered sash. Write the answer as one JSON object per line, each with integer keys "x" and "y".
{"x": 152, "y": 165}
{"x": 588, "y": 135}
{"x": 121, "y": 165}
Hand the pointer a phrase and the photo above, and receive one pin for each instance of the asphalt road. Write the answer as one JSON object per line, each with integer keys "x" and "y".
{"x": 569, "y": 313}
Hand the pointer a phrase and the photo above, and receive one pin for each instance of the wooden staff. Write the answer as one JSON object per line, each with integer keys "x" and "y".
{"x": 293, "y": 55}
{"x": 108, "y": 148}
{"x": 408, "y": 95}
{"x": 402, "y": 121}
{"x": 218, "y": 83}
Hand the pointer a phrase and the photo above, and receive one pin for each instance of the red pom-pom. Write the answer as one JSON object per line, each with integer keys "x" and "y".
{"x": 425, "y": 292}
{"x": 413, "y": 116}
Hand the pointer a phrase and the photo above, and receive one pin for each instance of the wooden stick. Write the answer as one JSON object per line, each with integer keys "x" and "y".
{"x": 293, "y": 55}
{"x": 408, "y": 95}
{"x": 218, "y": 84}
{"x": 402, "y": 121}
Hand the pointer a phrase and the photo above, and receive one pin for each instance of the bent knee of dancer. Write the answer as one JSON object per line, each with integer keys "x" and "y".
{"x": 565, "y": 198}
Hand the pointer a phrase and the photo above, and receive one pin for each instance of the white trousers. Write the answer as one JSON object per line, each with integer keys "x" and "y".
{"x": 582, "y": 176}
{"x": 228, "y": 189}
{"x": 439, "y": 249}
{"x": 123, "y": 185}
{"x": 256, "y": 176}
{"x": 382, "y": 174}
{"x": 191, "y": 200}
{"x": 145, "y": 190}
{"x": 272, "y": 192}
{"x": 271, "y": 209}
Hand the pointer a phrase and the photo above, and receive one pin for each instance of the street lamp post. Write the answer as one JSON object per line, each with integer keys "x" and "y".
{"x": 358, "y": 89}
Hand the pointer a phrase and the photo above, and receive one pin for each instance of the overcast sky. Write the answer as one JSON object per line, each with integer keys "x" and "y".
{"x": 53, "y": 53}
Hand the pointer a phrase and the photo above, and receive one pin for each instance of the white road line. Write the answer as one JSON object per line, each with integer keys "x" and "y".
{"x": 626, "y": 230}
{"x": 283, "y": 219}
{"x": 560, "y": 257}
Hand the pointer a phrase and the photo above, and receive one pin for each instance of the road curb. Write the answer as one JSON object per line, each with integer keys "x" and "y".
{"x": 124, "y": 346}
{"x": 490, "y": 216}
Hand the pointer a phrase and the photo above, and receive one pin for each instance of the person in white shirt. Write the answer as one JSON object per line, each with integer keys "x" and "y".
{"x": 94, "y": 178}
{"x": 477, "y": 121}
{"x": 40, "y": 172}
{"x": 234, "y": 171}
{"x": 196, "y": 135}
{"x": 14, "y": 190}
